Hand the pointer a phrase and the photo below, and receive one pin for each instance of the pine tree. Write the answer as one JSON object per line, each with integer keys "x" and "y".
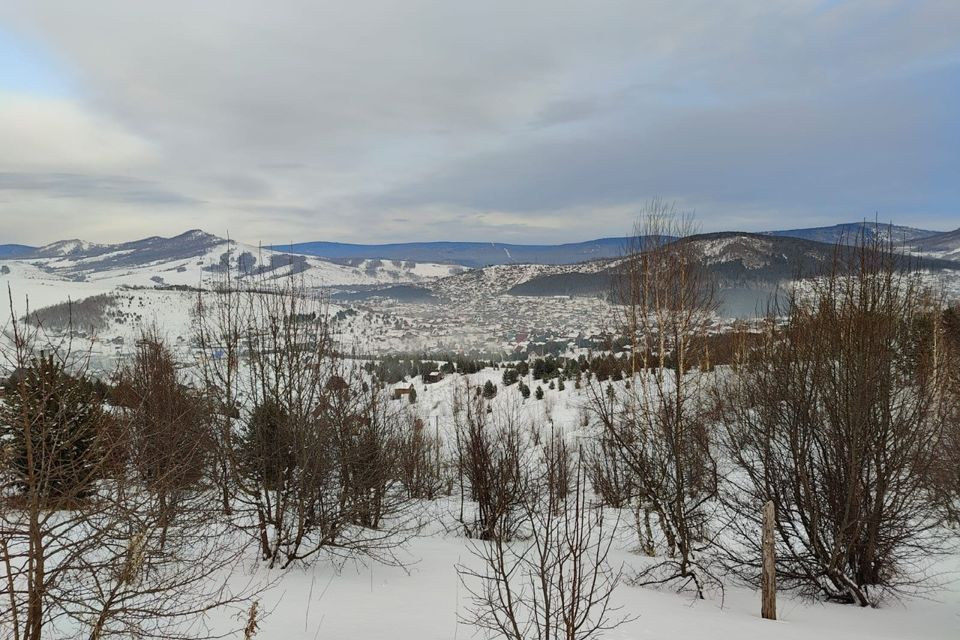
{"x": 539, "y": 392}
{"x": 266, "y": 452}
{"x": 63, "y": 417}
{"x": 489, "y": 390}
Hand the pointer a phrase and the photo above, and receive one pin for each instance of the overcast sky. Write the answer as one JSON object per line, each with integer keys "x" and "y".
{"x": 515, "y": 121}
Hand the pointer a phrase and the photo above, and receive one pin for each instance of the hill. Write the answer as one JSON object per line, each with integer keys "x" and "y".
{"x": 736, "y": 259}
{"x": 850, "y": 231}
{"x": 468, "y": 254}
{"x": 195, "y": 257}
{"x": 941, "y": 245}
{"x": 15, "y": 251}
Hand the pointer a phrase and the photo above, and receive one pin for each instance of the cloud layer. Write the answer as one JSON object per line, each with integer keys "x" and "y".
{"x": 532, "y": 121}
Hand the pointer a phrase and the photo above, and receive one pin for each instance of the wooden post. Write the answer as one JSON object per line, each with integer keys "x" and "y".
{"x": 769, "y": 575}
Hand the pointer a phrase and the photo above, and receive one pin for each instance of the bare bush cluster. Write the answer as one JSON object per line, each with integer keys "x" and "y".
{"x": 841, "y": 410}
{"x": 555, "y": 579}
{"x": 655, "y": 449}
{"x": 490, "y": 468}
{"x": 842, "y": 417}
{"x": 103, "y": 533}
{"x": 309, "y": 457}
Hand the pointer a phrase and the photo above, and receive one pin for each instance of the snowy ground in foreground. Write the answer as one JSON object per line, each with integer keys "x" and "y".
{"x": 381, "y": 602}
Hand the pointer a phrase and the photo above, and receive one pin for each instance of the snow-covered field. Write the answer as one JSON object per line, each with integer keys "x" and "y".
{"x": 425, "y": 599}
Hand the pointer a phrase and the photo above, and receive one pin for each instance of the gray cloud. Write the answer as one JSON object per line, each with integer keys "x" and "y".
{"x": 860, "y": 149}
{"x": 121, "y": 189}
{"x": 390, "y": 120}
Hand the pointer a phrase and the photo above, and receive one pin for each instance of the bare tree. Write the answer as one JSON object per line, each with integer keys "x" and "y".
{"x": 221, "y": 319}
{"x": 659, "y": 424}
{"x": 309, "y": 459}
{"x": 947, "y": 472}
{"x": 423, "y": 470}
{"x": 839, "y": 415}
{"x": 167, "y": 425}
{"x": 490, "y": 459}
{"x": 557, "y": 581}
{"x": 84, "y": 548}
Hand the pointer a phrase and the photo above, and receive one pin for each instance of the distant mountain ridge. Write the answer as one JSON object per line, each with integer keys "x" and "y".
{"x": 735, "y": 259}
{"x": 942, "y": 245}
{"x": 467, "y": 254}
{"x": 481, "y": 254}
{"x": 15, "y": 251}
{"x": 849, "y": 232}
{"x": 195, "y": 257}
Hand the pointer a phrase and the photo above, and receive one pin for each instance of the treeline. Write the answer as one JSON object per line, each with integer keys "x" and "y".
{"x": 398, "y": 368}
{"x": 717, "y": 349}
{"x": 88, "y": 315}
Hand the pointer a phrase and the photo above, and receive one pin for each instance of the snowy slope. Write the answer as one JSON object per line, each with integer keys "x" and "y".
{"x": 73, "y": 269}
{"x": 426, "y": 600}
{"x": 194, "y": 258}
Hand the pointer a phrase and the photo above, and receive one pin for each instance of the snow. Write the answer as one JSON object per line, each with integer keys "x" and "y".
{"x": 423, "y": 600}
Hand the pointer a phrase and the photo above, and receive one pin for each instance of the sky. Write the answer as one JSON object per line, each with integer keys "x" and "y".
{"x": 536, "y": 121}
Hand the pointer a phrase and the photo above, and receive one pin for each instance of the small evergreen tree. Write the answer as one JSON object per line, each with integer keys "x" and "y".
{"x": 60, "y": 417}
{"x": 413, "y": 394}
{"x": 539, "y": 392}
{"x": 265, "y": 445}
{"x": 489, "y": 390}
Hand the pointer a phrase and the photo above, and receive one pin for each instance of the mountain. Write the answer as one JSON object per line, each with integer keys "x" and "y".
{"x": 735, "y": 259}
{"x": 15, "y": 251}
{"x": 940, "y": 245}
{"x": 196, "y": 257}
{"x": 468, "y": 254}
{"x": 850, "y": 231}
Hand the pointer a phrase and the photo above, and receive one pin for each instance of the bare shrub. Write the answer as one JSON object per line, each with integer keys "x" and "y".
{"x": 489, "y": 467}
{"x": 309, "y": 454}
{"x": 557, "y": 581}
{"x": 839, "y": 416}
{"x": 610, "y": 475}
{"x": 85, "y": 549}
{"x": 659, "y": 425}
{"x": 422, "y": 468}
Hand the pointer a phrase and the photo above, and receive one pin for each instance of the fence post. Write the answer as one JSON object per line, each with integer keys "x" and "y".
{"x": 769, "y": 575}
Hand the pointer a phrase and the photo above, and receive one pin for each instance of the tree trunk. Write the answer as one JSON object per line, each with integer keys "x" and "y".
{"x": 769, "y": 576}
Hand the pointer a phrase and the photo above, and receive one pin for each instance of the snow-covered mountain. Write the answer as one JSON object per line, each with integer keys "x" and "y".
{"x": 468, "y": 254}
{"x": 849, "y": 232}
{"x": 734, "y": 258}
{"x": 196, "y": 258}
{"x": 944, "y": 245}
